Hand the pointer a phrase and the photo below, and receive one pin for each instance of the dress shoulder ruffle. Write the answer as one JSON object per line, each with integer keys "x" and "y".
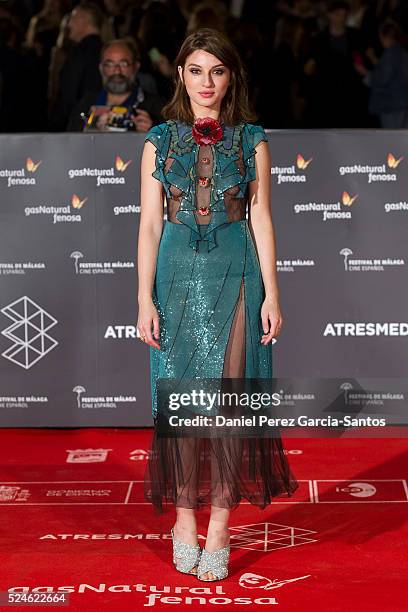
{"x": 253, "y": 134}
{"x": 159, "y": 136}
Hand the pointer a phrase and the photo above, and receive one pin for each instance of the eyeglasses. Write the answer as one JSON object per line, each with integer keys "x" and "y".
{"x": 109, "y": 65}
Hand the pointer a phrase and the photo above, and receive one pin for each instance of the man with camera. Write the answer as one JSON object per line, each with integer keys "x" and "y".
{"x": 128, "y": 100}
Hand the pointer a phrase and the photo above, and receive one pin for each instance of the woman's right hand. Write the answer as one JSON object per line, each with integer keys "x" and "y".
{"x": 148, "y": 318}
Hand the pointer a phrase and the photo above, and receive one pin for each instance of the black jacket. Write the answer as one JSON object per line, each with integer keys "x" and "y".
{"x": 152, "y": 103}
{"x": 79, "y": 74}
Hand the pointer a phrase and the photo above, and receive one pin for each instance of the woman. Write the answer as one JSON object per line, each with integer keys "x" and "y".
{"x": 208, "y": 302}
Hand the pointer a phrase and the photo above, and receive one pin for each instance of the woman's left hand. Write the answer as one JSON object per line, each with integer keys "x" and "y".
{"x": 271, "y": 320}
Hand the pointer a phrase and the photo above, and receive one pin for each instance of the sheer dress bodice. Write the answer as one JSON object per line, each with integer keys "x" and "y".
{"x": 235, "y": 205}
{"x": 205, "y": 184}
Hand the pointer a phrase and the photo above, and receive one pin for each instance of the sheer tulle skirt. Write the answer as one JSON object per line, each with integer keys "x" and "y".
{"x": 195, "y": 472}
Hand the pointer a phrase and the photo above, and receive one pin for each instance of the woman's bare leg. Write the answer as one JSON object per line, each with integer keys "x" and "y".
{"x": 223, "y": 485}
{"x": 217, "y": 533}
{"x": 185, "y": 527}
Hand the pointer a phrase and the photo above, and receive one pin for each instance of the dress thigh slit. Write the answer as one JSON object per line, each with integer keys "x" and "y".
{"x": 226, "y": 451}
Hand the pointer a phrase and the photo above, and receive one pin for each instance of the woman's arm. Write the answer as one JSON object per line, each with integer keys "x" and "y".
{"x": 150, "y": 230}
{"x": 261, "y": 225}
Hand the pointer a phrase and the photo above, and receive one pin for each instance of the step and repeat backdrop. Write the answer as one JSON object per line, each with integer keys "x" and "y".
{"x": 69, "y": 213}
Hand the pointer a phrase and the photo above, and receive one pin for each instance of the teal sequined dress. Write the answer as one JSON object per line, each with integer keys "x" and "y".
{"x": 208, "y": 291}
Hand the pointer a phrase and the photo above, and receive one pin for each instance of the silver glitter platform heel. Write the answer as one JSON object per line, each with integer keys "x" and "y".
{"x": 215, "y": 562}
{"x": 185, "y": 556}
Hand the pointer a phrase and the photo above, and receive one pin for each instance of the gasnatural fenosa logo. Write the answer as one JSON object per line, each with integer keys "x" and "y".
{"x": 60, "y": 213}
{"x": 329, "y": 210}
{"x": 294, "y": 173}
{"x": 21, "y": 176}
{"x": 114, "y": 175}
{"x": 381, "y": 173}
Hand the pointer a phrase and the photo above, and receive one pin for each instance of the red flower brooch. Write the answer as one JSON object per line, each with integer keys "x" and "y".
{"x": 207, "y": 131}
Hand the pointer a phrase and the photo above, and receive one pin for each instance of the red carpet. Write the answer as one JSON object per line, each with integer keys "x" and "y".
{"x": 73, "y": 520}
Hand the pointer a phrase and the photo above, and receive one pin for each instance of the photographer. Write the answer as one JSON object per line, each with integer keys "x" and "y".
{"x": 123, "y": 86}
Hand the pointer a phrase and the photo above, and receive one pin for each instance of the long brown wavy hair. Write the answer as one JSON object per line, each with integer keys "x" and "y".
{"x": 235, "y": 106}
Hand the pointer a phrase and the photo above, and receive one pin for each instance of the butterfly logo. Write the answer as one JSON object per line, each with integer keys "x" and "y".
{"x": 255, "y": 581}
{"x": 347, "y": 200}
{"x": 301, "y": 163}
{"x": 32, "y": 166}
{"x": 392, "y": 162}
{"x": 77, "y": 202}
{"x": 120, "y": 164}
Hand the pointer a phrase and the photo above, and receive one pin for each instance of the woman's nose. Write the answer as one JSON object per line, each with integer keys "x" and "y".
{"x": 208, "y": 82}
